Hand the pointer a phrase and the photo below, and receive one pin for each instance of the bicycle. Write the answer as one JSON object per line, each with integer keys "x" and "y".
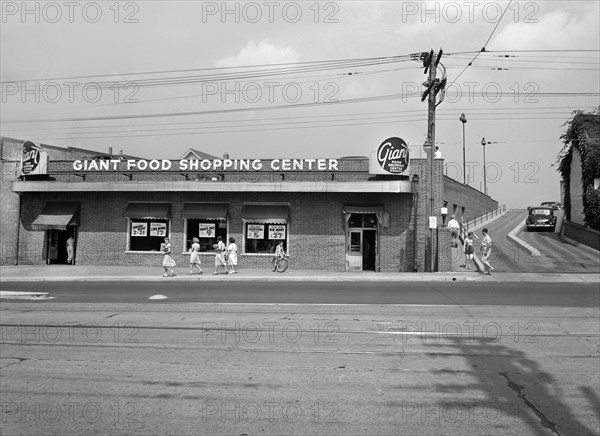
{"x": 280, "y": 264}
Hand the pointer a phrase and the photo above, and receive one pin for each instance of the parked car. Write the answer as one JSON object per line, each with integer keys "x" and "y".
{"x": 541, "y": 217}
{"x": 553, "y": 204}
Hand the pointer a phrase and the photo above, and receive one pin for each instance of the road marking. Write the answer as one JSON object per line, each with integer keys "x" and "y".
{"x": 19, "y": 295}
{"x": 158, "y": 297}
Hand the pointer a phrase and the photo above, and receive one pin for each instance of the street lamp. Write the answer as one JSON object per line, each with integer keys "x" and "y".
{"x": 483, "y": 142}
{"x": 463, "y": 120}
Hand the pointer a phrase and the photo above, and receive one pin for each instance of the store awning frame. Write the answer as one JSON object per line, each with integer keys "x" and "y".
{"x": 148, "y": 211}
{"x": 207, "y": 211}
{"x": 363, "y": 209}
{"x": 57, "y": 215}
{"x": 266, "y": 213}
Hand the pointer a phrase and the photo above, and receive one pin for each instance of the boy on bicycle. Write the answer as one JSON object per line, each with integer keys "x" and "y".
{"x": 279, "y": 251}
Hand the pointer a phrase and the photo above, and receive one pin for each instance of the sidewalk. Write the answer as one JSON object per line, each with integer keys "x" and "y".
{"x": 25, "y": 273}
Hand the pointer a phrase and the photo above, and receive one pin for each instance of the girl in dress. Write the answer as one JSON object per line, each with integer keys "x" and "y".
{"x": 168, "y": 261}
{"x": 195, "y": 256}
{"x": 232, "y": 255}
{"x": 220, "y": 256}
{"x": 468, "y": 248}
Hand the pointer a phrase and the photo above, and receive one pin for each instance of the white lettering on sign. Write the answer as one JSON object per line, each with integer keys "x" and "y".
{"x": 387, "y": 153}
{"x": 207, "y": 165}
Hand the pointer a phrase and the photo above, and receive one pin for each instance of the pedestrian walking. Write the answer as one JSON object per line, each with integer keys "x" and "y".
{"x": 486, "y": 249}
{"x": 195, "y": 256}
{"x": 454, "y": 227}
{"x": 232, "y": 258}
{"x": 468, "y": 249}
{"x": 220, "y": 249}
{"x": 168, "y": 263}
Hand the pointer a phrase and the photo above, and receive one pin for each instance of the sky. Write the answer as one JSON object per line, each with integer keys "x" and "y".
{"x": 305, "y": 79}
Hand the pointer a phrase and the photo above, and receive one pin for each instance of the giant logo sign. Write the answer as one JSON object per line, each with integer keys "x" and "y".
{"x": 33, "y": 160}
{"x": 393, "y": 156}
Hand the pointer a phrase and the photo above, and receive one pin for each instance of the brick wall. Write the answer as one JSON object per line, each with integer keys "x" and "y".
{"x": 9, "y": 213}
{"x": 316, "y": 228}
{"x": 475, "y": 202}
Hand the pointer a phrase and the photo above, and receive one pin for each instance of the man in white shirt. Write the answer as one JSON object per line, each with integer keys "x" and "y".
{"x": 454, "y": 227}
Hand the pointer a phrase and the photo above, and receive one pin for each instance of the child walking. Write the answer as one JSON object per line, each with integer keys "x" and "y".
{"x": 195, "y": 256}
{"x": 168, "y": 261}
{"x": 468, "y": 248}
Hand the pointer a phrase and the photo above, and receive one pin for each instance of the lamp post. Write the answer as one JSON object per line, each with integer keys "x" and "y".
{"x": 463, "y": 120}
{"x": 416, "y": 206}
{"x": 483, "y": 142}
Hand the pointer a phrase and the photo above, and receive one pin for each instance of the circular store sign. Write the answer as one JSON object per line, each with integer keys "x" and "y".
{"x": 393, "y": 155}
{"x": 31, "y": 157}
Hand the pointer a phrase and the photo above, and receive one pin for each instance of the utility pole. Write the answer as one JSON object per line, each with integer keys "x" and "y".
{"x": 433, "y": 86}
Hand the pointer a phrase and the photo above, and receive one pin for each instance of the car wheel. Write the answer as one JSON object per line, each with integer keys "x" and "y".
{"x": 552, "y": 229}
{"x": 528, "y": 229}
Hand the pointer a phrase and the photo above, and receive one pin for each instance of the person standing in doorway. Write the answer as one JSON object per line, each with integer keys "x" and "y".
{"x": 232, "y": 258}
{"x": 468, "y": 249}
{"x": 486, "y": 249}
{"x": 220, "y": 255}
{"x": 195, "y": 256}
{"x": 70, "y": 249}
{"x": 168, "y": 263}
{"x": 454, "y": 227}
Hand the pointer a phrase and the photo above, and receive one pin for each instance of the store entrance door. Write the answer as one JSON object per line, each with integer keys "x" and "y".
{"x": 362, "y": 242}
{"x": 57, "y": 245}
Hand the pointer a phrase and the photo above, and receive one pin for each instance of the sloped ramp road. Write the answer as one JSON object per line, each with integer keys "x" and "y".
{"x": 557, "y": 256}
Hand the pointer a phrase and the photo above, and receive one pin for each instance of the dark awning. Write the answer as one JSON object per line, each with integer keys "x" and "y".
{"x": 148, "y": 210}
{"x": 57, "y": 215}
{"x": 362, "y": 209}
{"x": 266, "y": 213}
{"x": 206, "y": 211}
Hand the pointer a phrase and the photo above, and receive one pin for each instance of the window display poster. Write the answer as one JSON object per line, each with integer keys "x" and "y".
{"x": 256, "y": 231}
{"x": 139, "y": 229}
{"x": 158, "y": 229}
{"x": 276, "y": 231}
{"x": 206, "y": 230}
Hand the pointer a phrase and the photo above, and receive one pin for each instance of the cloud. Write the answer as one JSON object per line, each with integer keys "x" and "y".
{"x": 258, "y": 54}
{"x": 558, "y": 29}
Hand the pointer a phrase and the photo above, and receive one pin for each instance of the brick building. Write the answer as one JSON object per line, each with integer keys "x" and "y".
{"x": 332, "y": 214}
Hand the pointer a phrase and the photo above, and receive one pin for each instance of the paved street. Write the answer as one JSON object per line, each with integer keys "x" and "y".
{"x": 557, "y": 256}
{"x": 441, "y": 362}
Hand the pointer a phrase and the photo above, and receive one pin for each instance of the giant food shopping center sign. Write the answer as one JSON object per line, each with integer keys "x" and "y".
{"x": 207, "y": 165}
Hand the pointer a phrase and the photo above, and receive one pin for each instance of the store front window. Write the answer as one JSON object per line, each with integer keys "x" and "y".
{"x": 147, "y": 234}
{"x": 149, "y": 224}
{"x": 206, "y": 231}
{"x": 265, "y": 226}
{"x": 205, "y": 221}
{"x": 263, "y": 238}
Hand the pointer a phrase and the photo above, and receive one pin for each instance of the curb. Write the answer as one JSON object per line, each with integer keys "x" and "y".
{"x": 520, "y": 243}
{"x": 434, "y": 277}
